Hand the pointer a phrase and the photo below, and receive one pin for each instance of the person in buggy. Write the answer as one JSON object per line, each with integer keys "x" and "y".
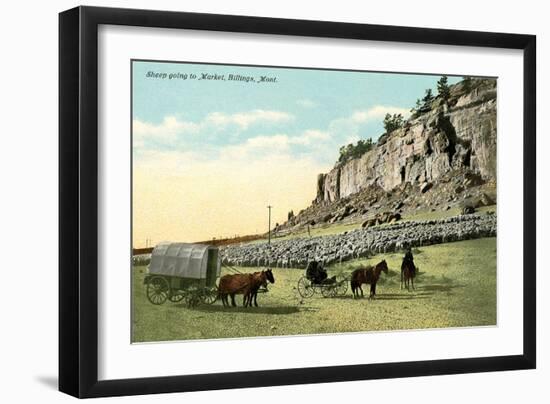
{"x": 317, "y": 274}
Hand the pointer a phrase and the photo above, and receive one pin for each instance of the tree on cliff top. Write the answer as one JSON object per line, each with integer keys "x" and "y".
{"x": 427, "y": 100}
{"x": 393, "y": 122}
{"x": 353, "y": 151}
{"x": 415, "y": 111}
{"x": 467, "y": 83}
{"x": 423, "y": 105}
{"x": 443, "y": 88}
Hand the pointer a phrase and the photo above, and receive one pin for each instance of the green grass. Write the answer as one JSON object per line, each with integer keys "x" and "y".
{"x": 456, "y": 287}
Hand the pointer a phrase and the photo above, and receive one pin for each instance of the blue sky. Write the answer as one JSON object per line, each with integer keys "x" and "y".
{"x": 209, "y": 114}
{"x": 210, "y": 155}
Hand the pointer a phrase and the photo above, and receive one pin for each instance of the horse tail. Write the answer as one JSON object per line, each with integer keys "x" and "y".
{"x": 222, "y": 294}
{"x": 355, "y": 283}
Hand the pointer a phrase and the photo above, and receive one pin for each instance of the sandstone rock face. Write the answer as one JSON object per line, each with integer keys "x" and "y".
{"x": 461, "y": 135}
{"x": 331, "y": 187}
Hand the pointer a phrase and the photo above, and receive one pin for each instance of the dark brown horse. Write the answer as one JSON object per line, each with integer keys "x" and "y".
{"x": 259, "y": 279}
{"x": 408, "y": 272}
{"x": 368, "y": 275}
{"x": 231, "y": 285}
{"x": 245, "y": 284}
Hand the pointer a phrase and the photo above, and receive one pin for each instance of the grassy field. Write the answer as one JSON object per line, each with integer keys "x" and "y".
{"x": 456, "y": 287}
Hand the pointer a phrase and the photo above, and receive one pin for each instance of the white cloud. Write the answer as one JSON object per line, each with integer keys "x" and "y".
{"x": 314, "y": 135}
{"x": 306, "y": 103}
{"x": 322, "y": 145}
{"x": 245, "y": 119}
{"x": 377, "y": 113}
{"x": 351, "y": 139}
{"x": 351, "y": 126}
{"x": 171, "y": 127}
{"x": 166, "y": 131}
{"x": 258, "y": 146}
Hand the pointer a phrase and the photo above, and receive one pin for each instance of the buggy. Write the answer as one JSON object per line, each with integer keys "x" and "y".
{"x": 181, "y": 271}
{"x": 311, "y": 283}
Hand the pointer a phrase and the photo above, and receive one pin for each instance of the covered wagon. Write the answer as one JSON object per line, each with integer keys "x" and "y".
{"x": 183, "y": 271}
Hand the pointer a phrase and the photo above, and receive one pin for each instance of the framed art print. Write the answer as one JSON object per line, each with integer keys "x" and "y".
{"x": 235, "y": 188}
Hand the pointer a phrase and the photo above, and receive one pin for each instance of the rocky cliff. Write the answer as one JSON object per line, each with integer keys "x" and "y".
{"x": 459, "y": 134}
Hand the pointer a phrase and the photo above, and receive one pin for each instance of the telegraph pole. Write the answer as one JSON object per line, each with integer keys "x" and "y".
{"x": 269, "y": 225}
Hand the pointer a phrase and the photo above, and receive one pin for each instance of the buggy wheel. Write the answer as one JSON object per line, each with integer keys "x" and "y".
{"x": 209, "y": 296}
{"x": 328, "y": 291}
{"x": 305, "y": 288}
{"x": 176, "y": 296}
{"x": 341, "y": 286}
{"x": 157, "y": 290}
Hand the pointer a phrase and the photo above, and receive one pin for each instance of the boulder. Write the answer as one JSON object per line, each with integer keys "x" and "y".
{"x": 486, "y": 200}
{"x": 393, "y": 217}
{"x": 425, "y": 187}
{"x": 327, "y": 217}
{"x": 472, "y": 180}
{"x": 369, "y": 223}
{"x": 468, "y": 210}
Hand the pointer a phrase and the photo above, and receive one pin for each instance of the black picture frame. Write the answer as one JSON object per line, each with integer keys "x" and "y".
{"x": 78, "y": 200}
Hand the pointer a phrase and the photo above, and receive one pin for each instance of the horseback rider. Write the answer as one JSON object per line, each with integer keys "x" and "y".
{"x": 409, "y": 257}
{"x": 408, "y": 269}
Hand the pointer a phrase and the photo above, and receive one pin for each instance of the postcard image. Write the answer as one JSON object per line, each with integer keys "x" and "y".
{"x": 271, "y": 201}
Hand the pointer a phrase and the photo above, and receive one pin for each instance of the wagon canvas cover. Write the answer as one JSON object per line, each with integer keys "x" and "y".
{"x": 183, "y": 260}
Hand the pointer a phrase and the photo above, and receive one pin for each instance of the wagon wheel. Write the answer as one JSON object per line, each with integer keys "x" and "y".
{"x": 157, "y": 290}
{"x": 209, "y": 296}
{"x": 305, "y": 288}
{"x": 341, "y": 286}
{"x": 176, "y": 296}
{"x": 328, "y": 291}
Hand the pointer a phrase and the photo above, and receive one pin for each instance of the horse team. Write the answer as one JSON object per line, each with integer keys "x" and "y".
{"x": 249, "y": 284}
{"x": 243, "y": 284}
